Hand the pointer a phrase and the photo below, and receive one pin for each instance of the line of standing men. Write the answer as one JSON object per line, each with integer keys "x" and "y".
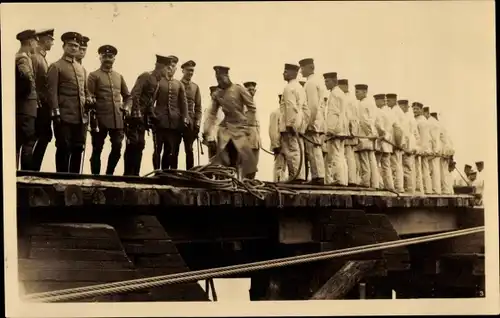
{"x": 378, "y": 142}
{"x": 64, "y": 96}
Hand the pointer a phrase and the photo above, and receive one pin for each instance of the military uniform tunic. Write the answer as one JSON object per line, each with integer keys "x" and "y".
{"x": 190, "y": 134}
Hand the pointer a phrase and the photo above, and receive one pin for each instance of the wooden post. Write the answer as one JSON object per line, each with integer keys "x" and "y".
{"x": 344, "y": 280}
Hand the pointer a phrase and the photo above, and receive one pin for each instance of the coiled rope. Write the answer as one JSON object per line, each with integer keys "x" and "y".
{"x": 144, "y": 283}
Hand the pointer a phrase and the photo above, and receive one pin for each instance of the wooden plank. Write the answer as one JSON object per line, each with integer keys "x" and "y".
{"x": 416, "y": 221}
{"x": 42, "y": 264}
{"x": 159, "y": 261}
{"x": 75, "y": 243}
{"x": 77, "y": 254}
{"x": 344, "y": 280}
{"x": 140, "y": 227}
{"x": 149, "y": 247}
{"x": 68, "y": 275}
{"x": 72, "y": 230}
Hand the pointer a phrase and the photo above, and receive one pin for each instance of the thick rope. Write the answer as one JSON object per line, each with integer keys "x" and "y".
{"x": 144, "y": 283}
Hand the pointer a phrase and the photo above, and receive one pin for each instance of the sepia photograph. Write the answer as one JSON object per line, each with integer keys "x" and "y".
{"x": 250, "y": 155}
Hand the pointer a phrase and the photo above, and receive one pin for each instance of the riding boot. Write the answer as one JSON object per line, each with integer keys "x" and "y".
{"x": 75, "y": 161}
{"x": 95, "y": 162}
{"x": 114, "y": 157}
{"x": 62, "y": 160}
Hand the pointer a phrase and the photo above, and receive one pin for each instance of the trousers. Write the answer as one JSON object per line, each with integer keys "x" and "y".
{"x": 435, "y": 169}
{"x": 279, "y": 169}
{"x": 368, "y": 169}
{"x": 352, "y": 167}
{"x": 384, "y": 163}
{"x": 70, "y": 143}
{"x": 315, "y": 155}
{"x": 98, "y": 138}
{"x": 25, "y": 140}
{"x": 397, "y": 170}
{"x": 446, "y": 182}
{"x": 426, "y": 175}
{"x": 290, "y": 148}
{"x": 336, "y": 166}
{"x": 409, "y": 172}
{"x": 167, "y": 141}
{"x": 188, "y": 138}
{"x": 132, "y": 157}
{"x": 43, "y": 128}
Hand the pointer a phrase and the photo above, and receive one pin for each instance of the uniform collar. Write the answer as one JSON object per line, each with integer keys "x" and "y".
{"x": 311, "y": 76}
{"x": 185, "y": 81}
{"x": 68, "y": 59}
{"x": 41, "y": 51}
{"x": 106, "y": 70}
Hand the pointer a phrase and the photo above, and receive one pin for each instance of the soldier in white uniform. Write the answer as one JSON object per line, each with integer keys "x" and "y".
{"x": 315, "y": 94}
{"x": 424, "y": 184}
{"x": 368, "y": 170}
{"x": 279, "y": 169}
{"x": 436, "y": 153}
{"x": 337, "y": 129}
{"x": 409, "y": 168}
{"x": 400, "y": 137}
{"x": 384, "y": 148}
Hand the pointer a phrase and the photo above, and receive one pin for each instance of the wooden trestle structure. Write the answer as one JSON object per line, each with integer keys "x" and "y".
{"x": 78, "y": 230}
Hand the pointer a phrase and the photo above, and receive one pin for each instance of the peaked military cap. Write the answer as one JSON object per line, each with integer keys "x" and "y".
{"x": 26, "y": 35}
{"x": 173, "y": 58}
{"x": 249, "y": 84}
{"x": 162, "y": 59}
{"x": 403, "y": 102}
{"x": 189, "y": 63}
{"x": 302, "y": 83}
{"x": 434, "y": 114}
{"x": 306, "y": 61}
{"x": 291, "y": 67}
{"x": 361, "y": 86}
{"x": 394, "y": 96}
{"x": 379, "y": 96}
{"x": 212, "y": 89}
{"x": 107, "y": 49}
{"x": 343, "y": 81}
{"x": 330, "y": 75}
{"x": 45, "y": 32}
{"x": 417, "y": 104}
{"x": 479, "y": 162}
{"x": 85, "y": 40}
{"x": 221, "y": 69}
{"x": 71, "y": 36}
{"x": 426, "y": 109}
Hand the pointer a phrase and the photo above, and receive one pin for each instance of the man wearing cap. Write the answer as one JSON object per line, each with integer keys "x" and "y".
{"x": 478, "y": 183}
{"x": 43, "y": 123}
{"x": 82, "y": 52}
{"x": 368, "y": 168}
{"x": 424, "y": 184}
{"x": 279, "y": 167}
{"x": 144, "y": 94}
{"x": 445, "y": 155}
{"x": 210, "y": 139}
{"x": 436, "y": 153}
{"x": 337, "y": 129}
{"x": 463, "y": 180}
{"x": 233, "y": 141}
{"x": 400, "y": 138}
{"x": 193, "y": 95}
{"x": 170, "y": 115}
{"x": 315, "y": 97}
{"x": 26, "y": 99}
{"x": 384, "y": 146}
{"x": 410, "y": 148}
{"x": 113, "y": 100}
{"x": 293, "y": 121}
{"x": 450, "y": 183}
{"x": 68, "y": 98}
{"x": 254, "y": 127}
{"x": 352, "y": 157}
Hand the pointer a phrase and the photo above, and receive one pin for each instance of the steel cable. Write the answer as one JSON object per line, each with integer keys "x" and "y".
{"x": 130, "y": 285}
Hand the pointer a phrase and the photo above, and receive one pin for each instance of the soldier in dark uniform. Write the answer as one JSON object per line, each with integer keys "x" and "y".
{"x": 190, "y": 134}
{"x": 26, "y": 99}
{"x": 254, "y": 137}
{"x": 68, "y": 99}
{"x": 169, "y": 117}
{"x": 84, "y": 43}
{"x": 113, "y": 100}
{"x": 138, "y": 121}
{"x": 43, "y": 123}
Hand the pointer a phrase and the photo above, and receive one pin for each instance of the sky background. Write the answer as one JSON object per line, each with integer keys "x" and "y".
{"x": 439, "y": 53}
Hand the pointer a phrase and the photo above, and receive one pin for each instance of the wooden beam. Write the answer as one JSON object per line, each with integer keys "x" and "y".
{"x": 344, "y": 280}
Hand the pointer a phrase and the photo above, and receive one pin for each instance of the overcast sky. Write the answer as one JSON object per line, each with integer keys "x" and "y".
{"x": 440, "y": 53}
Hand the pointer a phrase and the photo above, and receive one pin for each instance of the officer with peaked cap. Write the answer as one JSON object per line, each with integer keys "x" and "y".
{"x": 68, "y": 97}
{"x": 337, "y": 129}
{"x": 424, "y": 184}
{"x": 368, "y": 169}
{"x": 193, "y": 95}
{"x": 43, "y": 123}
{"x": 293, "y": 122}
{"x": 144, "y": 95}
{"x": 400, "y": 138}
{"x": 84, "y": 43}
{"x": 279, "y": 167}
{"x": 436, "y": 152}
{"x": 113, "y": 99}
{"x": 26, "y": 100}
{"x": 315, "y": 94}
{"x": 254, "y": 127}
{"x": 352, "y": 157}
{"x": 169, "y": 117}
{"x": 234, "y": 148}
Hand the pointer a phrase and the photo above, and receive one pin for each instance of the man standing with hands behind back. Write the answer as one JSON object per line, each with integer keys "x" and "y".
{"x": 190, "y": 134}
